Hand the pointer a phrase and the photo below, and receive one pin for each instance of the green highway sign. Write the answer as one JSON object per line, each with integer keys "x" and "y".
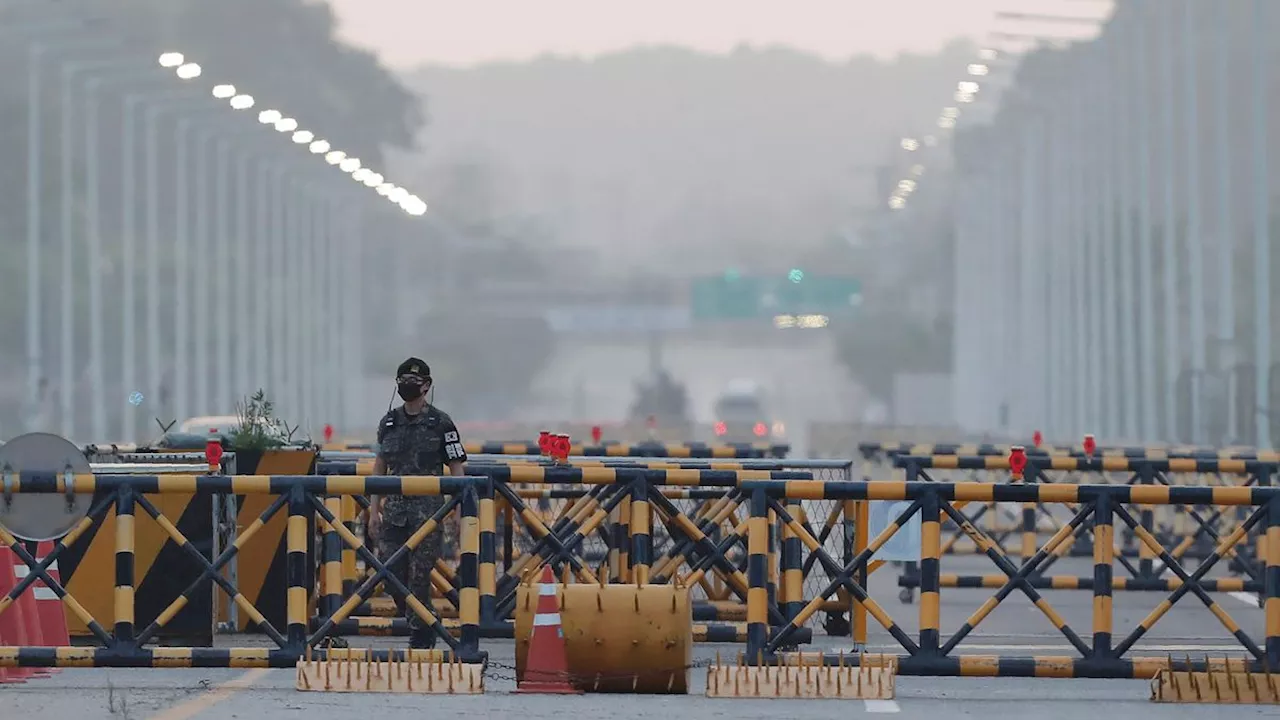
{"x": 745, "y": 297}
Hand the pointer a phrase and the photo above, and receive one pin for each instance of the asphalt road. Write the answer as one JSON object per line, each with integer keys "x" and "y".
{"x": 1016, "y": 628}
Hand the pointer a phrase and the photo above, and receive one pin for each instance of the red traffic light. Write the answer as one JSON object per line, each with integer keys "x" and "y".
{"x": 213, "y": 453}
{"x": 1017, "y": 460}
{"x": 1090, "y": 445}
{"x": 328, "y": 432}
{"x": 760, "y": 429}
{"x": 596, "y": 434}
{"x": 721, "y": 429}
{"x": 1037, "y": 438}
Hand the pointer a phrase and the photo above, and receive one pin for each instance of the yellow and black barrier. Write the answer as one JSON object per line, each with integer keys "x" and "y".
{"x": 259, "y": 567}
{"x": 1100, "y": 654}
{"x": 125, "y": 643}
{"x": 598, "y": 493}
{"x": 886, "y": 450}
{"x": 1145, "y": 575}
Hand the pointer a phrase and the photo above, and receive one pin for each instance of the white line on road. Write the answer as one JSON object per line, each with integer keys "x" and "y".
{"x": 1247, "y": 598}
{"x": 882, "y": 706}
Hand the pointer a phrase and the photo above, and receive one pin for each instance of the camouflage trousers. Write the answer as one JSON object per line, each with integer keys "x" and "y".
{"x": 413, "y": 569}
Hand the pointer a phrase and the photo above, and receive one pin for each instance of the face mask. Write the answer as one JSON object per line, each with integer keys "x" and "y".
{"x": 410, "y": 390}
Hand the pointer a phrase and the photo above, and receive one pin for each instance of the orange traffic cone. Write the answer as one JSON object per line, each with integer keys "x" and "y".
{"x": 53, "y": 619}
{"x": 44, "y": 606}
{"x": 13, "y": 623}
{"x": 31, "y": 611}
{"x": 547, "y": 669}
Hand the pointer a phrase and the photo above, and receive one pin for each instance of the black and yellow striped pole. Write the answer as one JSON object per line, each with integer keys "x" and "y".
{"x": 861, "y": 536}
{"x": 792, "y": 591}
{"x": 771, "y": 574}
{"x": 930, "y": 571}
{"x": 124, "y": 566}
{"x": 488, "y": 578}
{"x": 1271, "y": 601}
{"x": 469, "y": 572}
{"x": 641, "y": 538}
{"x": 1103, "y": 552}
{"x": 331, "y": 561}
{"x": 1146, "y": 516}
{"x": 348, "y": 554}
{"x": 296, "y": 568}
{"x": 508, "y": 533}
{"x": 620, "y": 553}
{"x": 757, "y": 582}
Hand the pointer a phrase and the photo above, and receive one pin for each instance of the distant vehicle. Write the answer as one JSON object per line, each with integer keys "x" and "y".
{"x": 222, "y": 424}
{"x": 740, "y": 415}
{"x": 194, "y": 432}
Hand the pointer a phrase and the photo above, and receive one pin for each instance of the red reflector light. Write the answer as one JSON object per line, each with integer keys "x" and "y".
{"x": 760, "y": 429}
{"x": 721, "y": 429}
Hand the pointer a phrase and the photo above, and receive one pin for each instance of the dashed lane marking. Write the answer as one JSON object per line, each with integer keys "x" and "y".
{"x": 882, "y": 706}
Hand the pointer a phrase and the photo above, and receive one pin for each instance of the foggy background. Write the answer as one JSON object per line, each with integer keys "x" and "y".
{"x": 586, "y": 171}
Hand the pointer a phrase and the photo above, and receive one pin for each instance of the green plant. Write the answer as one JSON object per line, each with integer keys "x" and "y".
{"x": 258, "y": 427}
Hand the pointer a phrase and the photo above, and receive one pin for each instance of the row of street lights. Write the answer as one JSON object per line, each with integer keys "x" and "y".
{"x": 966, "y": 92}
{"x": 977, "y": 74}
{"x": 236, "y": 263}
{"x": 349, "y": 164}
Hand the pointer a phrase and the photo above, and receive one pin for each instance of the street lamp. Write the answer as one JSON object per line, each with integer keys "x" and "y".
{"x": 188, "y": 71}
{"x": 281, "y": 123}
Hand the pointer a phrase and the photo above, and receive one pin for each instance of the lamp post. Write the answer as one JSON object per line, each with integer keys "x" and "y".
{"x": 1172, "y": 323}
{"x": 42, "y": 34}
{"x": 291, "y": 226}
{"x": 131, "y": 101}
{"x": 1194, "y": 234}
{"x": 69, "y": 71}
{"x": 1261, "y": 106}
{"x": 1150, "y": 425}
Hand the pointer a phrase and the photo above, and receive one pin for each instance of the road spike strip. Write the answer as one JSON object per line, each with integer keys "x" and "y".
{"x": 1218, "y": 683}
{"x": 359, "y": 671}
{"x": 870, "y": 681}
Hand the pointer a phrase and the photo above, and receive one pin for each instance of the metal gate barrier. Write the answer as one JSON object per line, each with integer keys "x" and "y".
{"x": 302, "y": 498}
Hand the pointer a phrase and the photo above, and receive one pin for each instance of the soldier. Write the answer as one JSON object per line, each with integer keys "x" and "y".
{"x": 414, "y": 439}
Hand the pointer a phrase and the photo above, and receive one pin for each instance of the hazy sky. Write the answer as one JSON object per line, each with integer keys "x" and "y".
{"x": 462, "y": 32}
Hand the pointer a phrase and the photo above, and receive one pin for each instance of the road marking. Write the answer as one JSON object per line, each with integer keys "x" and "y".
{"x": 882, "y": 706}
{"x": 198, "y": 704}
{"x": 1247, "y": 598}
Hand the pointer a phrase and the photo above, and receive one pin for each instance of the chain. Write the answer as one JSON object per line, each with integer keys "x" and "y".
{"x": 491, "y": 668}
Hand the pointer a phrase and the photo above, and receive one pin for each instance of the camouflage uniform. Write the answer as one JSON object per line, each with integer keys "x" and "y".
{"x": 418, "y": 444}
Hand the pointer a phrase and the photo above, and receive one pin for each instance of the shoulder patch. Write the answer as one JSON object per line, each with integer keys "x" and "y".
{"x": 451, "y": 436}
